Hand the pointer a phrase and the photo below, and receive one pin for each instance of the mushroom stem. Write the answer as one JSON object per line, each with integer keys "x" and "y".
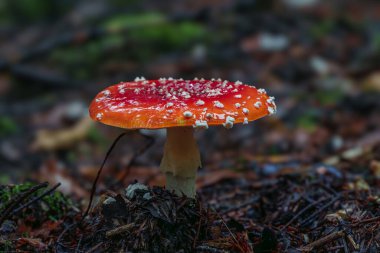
{"x": 181, "y": 160}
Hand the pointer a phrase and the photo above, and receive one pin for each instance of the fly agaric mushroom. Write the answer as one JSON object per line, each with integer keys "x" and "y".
{"x": 180, "y": 106}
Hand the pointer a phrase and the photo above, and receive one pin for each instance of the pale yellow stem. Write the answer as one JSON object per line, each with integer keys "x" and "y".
{"x": 181, "y": 160}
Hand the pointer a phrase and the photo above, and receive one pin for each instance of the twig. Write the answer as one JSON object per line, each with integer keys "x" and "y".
{"x": 353, "y": 243}
{"x": 36, "y": 199}
{"x": 133, "y": 159}
{"x": 370, "y": 220}
{"x": 322, "y": 241}
{"x": 302, "y": 212}
{"x": 95, "y": 247}
{"x": 198, "y": 228}
{"x": 205, "y": 248}
{"x": 119, "y": 230}
{"x": 93, "y": 189}
{"x": 311, "y": 217}
{"x": 238, "y": 207}
{"x": 19, "y": 199}
{"x": 62, "y": 234}
{"x": 78, "y": 245}
{"x": 233, "y": 236}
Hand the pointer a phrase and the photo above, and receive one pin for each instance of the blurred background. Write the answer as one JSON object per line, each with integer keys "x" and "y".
{"x": 320, "y": 59}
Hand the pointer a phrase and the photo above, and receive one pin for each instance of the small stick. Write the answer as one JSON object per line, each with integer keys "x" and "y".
{"x": 199, "y": 227}
{"x": 311, "y": 217}
{"x": 121, "y": 177}
{"x": 78, "y": 245}
{"x": 322, "y": 241}
{"x": 119, "y": 230}
{"x": 36, "y": 199}
{"x": 95, "y": 247}
{"x": 247, "y": 203}
{"x": 353, "y": 243}
{"x": 233, "y": 236}
{"x": 19, "y": 199}
{"x": 302, "y": 212}
{"x": 93, "y": 189}
{"x": 370, "y": 220}
{"x": 205, "y": 248}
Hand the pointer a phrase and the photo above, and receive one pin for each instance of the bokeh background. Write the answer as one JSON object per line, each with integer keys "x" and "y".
{"x": 320, "y": 59}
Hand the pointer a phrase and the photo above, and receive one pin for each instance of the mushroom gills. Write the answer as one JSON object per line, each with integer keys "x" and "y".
{"x": 181, "y": 160}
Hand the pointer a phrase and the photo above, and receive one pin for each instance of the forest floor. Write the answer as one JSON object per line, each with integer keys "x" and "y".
{"x": 308, "y": 208}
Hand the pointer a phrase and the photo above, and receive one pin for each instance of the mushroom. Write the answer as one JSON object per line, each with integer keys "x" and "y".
{"x": 180, "y": 106}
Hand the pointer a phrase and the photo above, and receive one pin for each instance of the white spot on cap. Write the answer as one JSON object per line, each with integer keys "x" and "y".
{"x": 229, "y": 122}
{"x": 271, "y": 110}
{"x": 170, "y": 104}
{"x": 237, "y": 105}
{"x": 200, "y": 102}
{"x": 237, "y": 96}
{"x": 200, "y": 124}
{"x": 257, "y": 104}
{"x": 122, "y": 91}
{"x": 185, "y": 94}
{"x": 218, "y": 104}
{"x": 238, "y": 82}
{"x": 261, "y": 91}
{"x": 187, "y": 114}
{"x": 245, "y": 121}
{"x": 99, "y": 116}
{"x": 245, "y": 111}
{"x": 270, "y": 100}
{"x": 106, "y": 92}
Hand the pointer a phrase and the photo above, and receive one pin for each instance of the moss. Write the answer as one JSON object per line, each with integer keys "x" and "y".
{"x": 322, "y": 29}
{"x": 329, "y": 97}
{"x": 308, "y": 121}
{"x": 135, "y": 38}
{"x": 130, "y": 21}
{"x": 7, "y": 126}
{"x": 53, "y": 206}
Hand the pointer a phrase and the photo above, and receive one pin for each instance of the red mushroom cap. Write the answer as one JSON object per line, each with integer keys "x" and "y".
{"x": 171, "y": 102}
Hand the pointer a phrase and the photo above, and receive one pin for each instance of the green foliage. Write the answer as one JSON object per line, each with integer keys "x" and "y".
{"x": 23, "y": 11}
{"x": 130, "y": 38}
{"x": 307, "y": 121}
{"x": 329, "y": 97}
{"x": 7, "y": 126}
{"x": 132, "y": 21}
{"x": 81, "y": 61}
{"x": 322, "y": 28}
{"x": 170, "y": 35}
{"x": 4, "y": 179}
{"x": 97, "y": 137}
{"x": 53, "y": 206}
{"x": 154, "y": 31}
{"x": 376, "y": 42}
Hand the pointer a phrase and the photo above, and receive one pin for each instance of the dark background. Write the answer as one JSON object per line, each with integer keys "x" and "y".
{"x": 320, "y": 59}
